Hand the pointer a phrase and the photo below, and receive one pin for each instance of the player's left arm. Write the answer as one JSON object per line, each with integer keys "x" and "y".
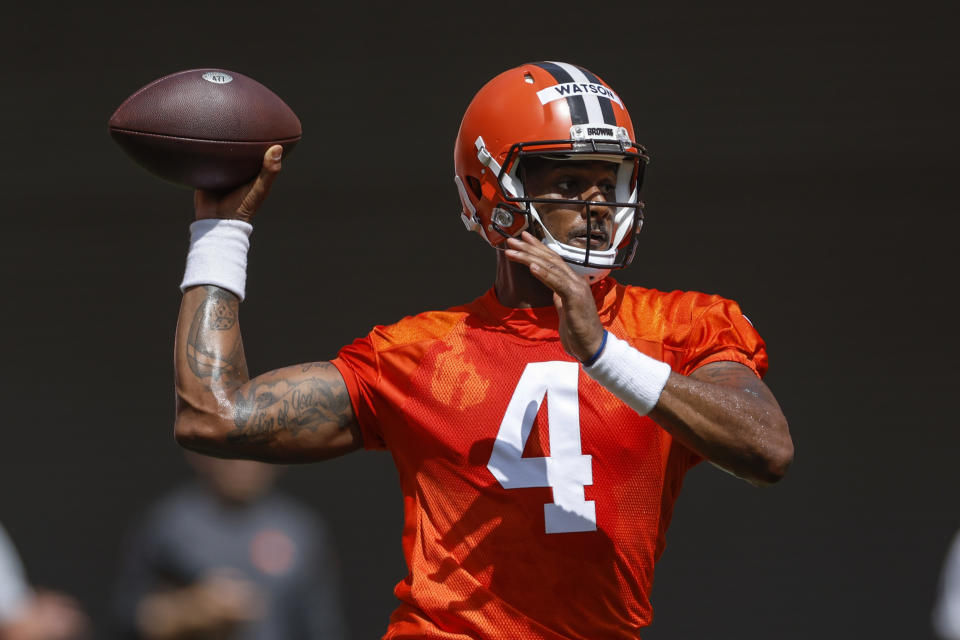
{"x": 722, "y": 410}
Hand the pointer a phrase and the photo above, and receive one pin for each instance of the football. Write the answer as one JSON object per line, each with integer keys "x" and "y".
{"x": 204, "y": 128}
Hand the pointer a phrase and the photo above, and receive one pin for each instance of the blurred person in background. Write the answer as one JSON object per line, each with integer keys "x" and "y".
{"x": 946, "y": 611}
{"x": 228, "y": 557}
{"x": 29, "y": 614}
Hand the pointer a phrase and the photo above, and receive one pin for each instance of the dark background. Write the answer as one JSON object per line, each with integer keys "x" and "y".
{"x": 803, "y": 163}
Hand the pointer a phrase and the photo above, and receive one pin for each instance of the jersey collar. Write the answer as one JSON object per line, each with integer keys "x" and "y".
{"x": 541, "y": 323}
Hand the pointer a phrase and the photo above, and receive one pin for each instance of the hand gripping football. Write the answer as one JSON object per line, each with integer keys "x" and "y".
{"x": 204, "y": 128}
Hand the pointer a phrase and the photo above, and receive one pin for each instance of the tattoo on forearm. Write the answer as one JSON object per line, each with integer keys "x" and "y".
{"x": 207, "y": 356}
{"x": 310, "y": 397}
{"x": 270, "y": 406}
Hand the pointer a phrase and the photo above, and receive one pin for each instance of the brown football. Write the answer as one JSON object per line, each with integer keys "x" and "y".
{"x": 204, "y": 128}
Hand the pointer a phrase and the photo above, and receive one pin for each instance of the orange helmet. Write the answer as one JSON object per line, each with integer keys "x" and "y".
{"x": 558, "y": 111}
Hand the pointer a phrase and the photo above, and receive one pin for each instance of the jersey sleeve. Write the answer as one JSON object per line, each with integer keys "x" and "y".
{"x": 359, "y": 365}
{"x": 722, "y": 333}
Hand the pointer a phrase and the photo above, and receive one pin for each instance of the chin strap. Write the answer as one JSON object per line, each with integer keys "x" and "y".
{"x": 592, "y": 274}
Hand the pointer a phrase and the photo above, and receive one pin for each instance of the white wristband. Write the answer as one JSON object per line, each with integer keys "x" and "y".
{"x": 218, "y": 255}
{"x": 635, "y": 378}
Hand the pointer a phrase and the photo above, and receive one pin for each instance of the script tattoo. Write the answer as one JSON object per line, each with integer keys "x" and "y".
{"x": 271, "y": 405}
{"x": 208, "y": 356}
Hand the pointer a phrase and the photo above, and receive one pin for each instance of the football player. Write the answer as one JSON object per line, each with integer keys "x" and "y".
{"x": 542, "y": 431}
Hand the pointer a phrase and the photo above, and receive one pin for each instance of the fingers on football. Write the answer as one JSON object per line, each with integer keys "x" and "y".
{"x": 211, "y": 204}
{"x": 261, "y": 186}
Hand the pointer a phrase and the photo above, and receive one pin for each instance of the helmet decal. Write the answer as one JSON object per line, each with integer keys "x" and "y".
{"x": 587, "y": 98}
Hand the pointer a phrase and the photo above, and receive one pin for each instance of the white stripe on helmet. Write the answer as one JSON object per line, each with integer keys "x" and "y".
{"x": 594, "y": 114}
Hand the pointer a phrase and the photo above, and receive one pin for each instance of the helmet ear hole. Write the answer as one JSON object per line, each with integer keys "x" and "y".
{"x": 474, "y": 185}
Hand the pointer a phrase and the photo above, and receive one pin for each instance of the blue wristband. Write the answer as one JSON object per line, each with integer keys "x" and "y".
{"x": 594, "y": 357}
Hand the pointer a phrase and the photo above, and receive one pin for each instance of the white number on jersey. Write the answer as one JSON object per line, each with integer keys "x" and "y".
{"x": 566, "y": 470}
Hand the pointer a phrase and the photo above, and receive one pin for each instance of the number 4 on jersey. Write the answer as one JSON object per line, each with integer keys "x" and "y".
{"x": 566, "y": 470}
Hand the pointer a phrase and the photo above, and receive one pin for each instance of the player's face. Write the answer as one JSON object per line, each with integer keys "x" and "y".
{"x": 591, "y": 180}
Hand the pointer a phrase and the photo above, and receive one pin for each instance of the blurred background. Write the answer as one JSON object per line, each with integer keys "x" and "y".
{"x": 803, "y": 163}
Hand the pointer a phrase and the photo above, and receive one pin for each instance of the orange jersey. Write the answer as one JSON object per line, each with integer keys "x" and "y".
{"x": 535, "y": 501}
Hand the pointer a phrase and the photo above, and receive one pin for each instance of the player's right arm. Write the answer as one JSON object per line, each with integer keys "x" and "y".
{"x": 295, "y": 414}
